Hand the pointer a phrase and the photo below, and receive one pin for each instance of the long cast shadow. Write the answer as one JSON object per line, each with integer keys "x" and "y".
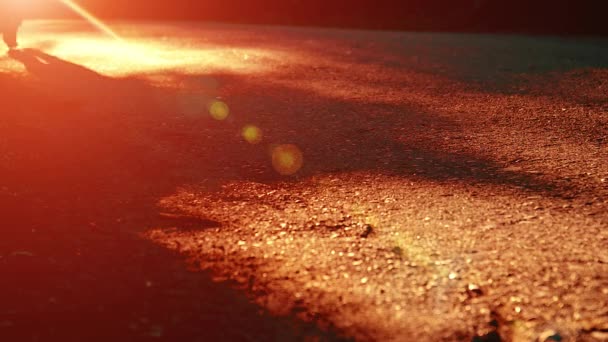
{"x": 78, "y": 185}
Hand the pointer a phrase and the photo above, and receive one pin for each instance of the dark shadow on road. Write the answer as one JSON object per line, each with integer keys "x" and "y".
{"x": 486, "y": 62}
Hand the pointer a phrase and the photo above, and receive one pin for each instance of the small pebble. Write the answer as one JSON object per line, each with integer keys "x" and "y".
{"x": 549, "y": 335}
{"x": 473, "y": 290}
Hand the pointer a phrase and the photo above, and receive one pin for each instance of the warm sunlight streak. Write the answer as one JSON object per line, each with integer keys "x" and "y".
{"x": 90, "y": 18}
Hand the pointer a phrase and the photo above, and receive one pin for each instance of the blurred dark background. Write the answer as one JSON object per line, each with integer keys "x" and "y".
{"x": 516, "y": 16}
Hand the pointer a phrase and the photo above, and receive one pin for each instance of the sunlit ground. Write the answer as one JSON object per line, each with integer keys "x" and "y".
{"x": 140, "y": 52}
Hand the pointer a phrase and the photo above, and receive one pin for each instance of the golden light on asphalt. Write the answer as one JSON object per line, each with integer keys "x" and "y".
{"x": 164, "y": 61}
{"x": 219, "y": 110}
{"x": 252, "y": 134}
{"x": 287, "y": 159}
{"x": 91, "y": 18}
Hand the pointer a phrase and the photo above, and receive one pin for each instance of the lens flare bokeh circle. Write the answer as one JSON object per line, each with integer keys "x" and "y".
{"x": 287, "y": 159}
{"x": 252, "y": 134}
{"x": 219, "y": 110}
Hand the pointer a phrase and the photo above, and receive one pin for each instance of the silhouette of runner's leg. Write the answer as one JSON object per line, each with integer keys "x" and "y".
{"x": 9, "y": 34}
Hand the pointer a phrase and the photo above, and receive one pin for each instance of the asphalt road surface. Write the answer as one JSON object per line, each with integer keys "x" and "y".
{"x": 197, "y": 182}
